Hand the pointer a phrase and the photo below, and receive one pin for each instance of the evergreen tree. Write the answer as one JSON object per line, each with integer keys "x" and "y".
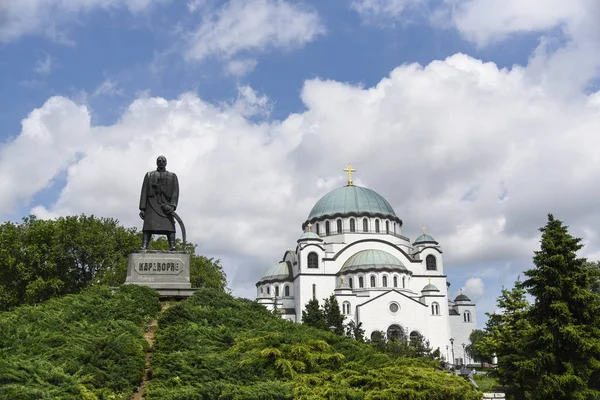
{"x": 312, "y": 315}
{"x": 564, "y": 345}
{"x": 355, "y": 331}
{"x": 506, "y": 334}
{"x": 333, "y": 316}
{"x": 475, "y": 350}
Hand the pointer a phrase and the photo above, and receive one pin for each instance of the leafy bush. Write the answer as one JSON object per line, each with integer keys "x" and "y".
{"x": 84, "y": 346}
{"x": 213, "y": 346}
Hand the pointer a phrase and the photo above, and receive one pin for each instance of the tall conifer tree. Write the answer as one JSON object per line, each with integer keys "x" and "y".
{"x": 333, "y": 315}
{"x": 312, "y": 315}
{"x": 564, "y": 340}
{"x": 506, "y": 336}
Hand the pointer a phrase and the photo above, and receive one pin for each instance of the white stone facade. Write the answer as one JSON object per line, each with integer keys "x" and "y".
{"x": 379, "y": 278}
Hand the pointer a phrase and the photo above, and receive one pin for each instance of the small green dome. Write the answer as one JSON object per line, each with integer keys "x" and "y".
{"x": 369, "y": 260}
{"x": 430, "y": 288}
{"x": 461, "y": 297}
{"x": 352, "y": 200}
{"x": 425, "y": 239}
{"x": 310, "y": 236}
{"x": 279, "y": 272}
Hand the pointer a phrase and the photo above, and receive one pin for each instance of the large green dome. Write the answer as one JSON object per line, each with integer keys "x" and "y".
{"x": 373, "y": 260}
{"x": 352, "y": 200}
{"x": 278, "y": 272}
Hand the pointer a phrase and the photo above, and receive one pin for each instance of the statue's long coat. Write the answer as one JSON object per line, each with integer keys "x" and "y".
{"x": 160, "y": 188}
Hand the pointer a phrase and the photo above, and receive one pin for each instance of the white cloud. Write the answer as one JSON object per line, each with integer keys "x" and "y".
{"x": 383, "y": 11}
{"x": 474, "y": 288}
{"x": 49, "y": 17}
{"x": 566, "y": 58}
{"x": 108, "y": 88}
{"x": 50, "y": 139}
{"x": 240, "y": 67}
{"x": 45, "y": 65}
{"x": 253, "y": 25}
{"x": 477, "y": 154}
{"x": 485, "y": 21}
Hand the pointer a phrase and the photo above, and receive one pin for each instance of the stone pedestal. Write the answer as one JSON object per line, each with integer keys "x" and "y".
{"x": 166, "y": 271}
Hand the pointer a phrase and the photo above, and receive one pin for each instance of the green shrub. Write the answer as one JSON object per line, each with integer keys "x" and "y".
{"x": 84, "y": 346}
{"x": 214, "y": 346}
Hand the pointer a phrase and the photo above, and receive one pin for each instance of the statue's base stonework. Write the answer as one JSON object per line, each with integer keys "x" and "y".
{"x": 166, "y": 271}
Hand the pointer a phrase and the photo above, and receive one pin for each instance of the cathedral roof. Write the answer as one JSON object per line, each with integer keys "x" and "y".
{"x": 373, "y": 260}
{"x": 424, "y": 238}
{"x": 352, "y": 200}
{"x": 430, "y": 288}
{"x": 461, "y": 297}
{"x": 310, "y": 236}
{"x": 278, "y": 272}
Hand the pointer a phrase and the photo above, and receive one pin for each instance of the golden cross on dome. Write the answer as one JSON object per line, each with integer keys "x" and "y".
{"x": 309, "y": 226}
{"x": 349, "y": 170}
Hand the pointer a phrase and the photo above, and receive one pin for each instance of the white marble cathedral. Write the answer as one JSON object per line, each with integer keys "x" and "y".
{"x": 352, "y": 246}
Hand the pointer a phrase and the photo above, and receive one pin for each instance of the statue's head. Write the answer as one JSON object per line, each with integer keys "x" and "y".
{"x": 161, "y": 162}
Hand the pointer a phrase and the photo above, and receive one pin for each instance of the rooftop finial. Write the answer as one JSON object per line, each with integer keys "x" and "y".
{"x": 309, "y": 226}
{"x": 349, "y": 171}
{"x": 424, "y": 230}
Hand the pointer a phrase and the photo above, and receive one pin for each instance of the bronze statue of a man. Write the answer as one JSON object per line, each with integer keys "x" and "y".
{"x": 158, "y": 202}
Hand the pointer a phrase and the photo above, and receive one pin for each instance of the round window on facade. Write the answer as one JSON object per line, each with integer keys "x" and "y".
{"x": 394, "y": 308}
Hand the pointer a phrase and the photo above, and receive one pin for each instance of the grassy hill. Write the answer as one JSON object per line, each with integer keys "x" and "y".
{"x": 212, "y": 346}
{"x": 85, "y": 346}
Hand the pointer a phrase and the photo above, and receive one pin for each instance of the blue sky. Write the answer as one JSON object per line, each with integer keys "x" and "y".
{"x": 259, "y": 104}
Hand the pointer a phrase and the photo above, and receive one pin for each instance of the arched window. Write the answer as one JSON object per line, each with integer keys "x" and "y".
{"x": 352, "y": 225}
{"x": 377, "y": 336}
{"x": 384, "y": 281}
{"x": 346, "y": 308}
{"x": 435, "y": 308}
{"x": 431, "y": 263}
{"x": 313, "y": 260}
{"x": 261, "y": 290}
{"x": 372, "y": 281}
{"x": 377, "y": 226}
{"x": 467, "y": 316}
{"x": 318, "y": 230}
{"x": 395, "y": 332}
{"x": 286, "y": 291}
{"x": 361, "y": 282}
{"x": 414, "y": 336}
{"x": 387, "y": 227}
{"x": 403, "y": 282}
{"x": 394, "y": 227}
{"x": 314, "y": 288}
{"x": 276, "y": 291}
{"x": 268, "y": 290}
{"x": 365, "y": 225}
{"x": 326, "y": 228}
{"x": 395, "y": 281}
{"x": 350, "y": 283}
{"x": 339, "y": 226}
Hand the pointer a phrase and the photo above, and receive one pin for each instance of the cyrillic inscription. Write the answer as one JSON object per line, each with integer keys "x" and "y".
{"x": 159, "y": 268}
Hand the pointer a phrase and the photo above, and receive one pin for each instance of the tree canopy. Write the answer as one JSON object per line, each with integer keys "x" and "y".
{"x": 41, "y": 259}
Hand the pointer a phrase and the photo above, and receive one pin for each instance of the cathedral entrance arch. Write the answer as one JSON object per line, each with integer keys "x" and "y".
{"x": 395, "y": 332}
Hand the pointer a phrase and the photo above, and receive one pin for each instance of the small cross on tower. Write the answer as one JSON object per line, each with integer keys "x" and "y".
{"x": 349, "y": 171}
{"x": 309, "y": 226}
